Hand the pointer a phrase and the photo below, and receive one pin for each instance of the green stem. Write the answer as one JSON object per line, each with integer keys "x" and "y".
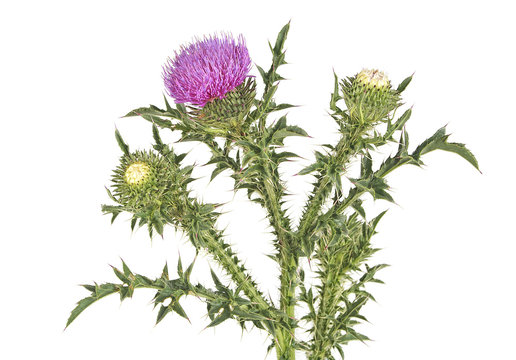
{"x": 322, "y": 190}
{"x": 287, "y": 255}
{"x": 344, "y": 150}
{"x": 222, "y": 253}
{"x": 212, "y": 241}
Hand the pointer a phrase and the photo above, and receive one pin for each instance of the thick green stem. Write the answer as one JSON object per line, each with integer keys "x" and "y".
{"x": 344, "y": 150}
{"x": 331, "y": 284}
{"x": 314, "y": 205}
{"x": 212, "y": 241}
{"x": 287, "y": 256}
{"x": 322, "y": 189}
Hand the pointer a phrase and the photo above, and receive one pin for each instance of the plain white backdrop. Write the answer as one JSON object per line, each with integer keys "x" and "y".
{"x": 70, "y": 69}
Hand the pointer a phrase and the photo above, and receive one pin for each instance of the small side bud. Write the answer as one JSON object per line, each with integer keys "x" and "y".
{"x": 369, "y": 96}
{"x": 151, "y": 187}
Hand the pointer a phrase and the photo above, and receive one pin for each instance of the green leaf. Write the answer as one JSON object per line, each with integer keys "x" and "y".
{"x": 169, "y": 108}
{"x": 366, "y": 166}
{"x": 377, "y": 219}
{"x": 121, "y": 143}
{"x": 189, "y": 269}
{"x": 280, "y": 40}
{"x": 247, "y": 315}
{"x": 311, "y": 168}
{"x": 263, "y": 74}
{"x": 121, "y": 275}
{"x": 100, "y": 292}
{"x": 438, "y": 141}
{"x": 81, "y": 306}
{"x": 164, "y": 273}
{"x": 461, "y": 150}
{"x": 357, "y": 205}
{"x": 335, "y": 96}
{"x": 179, "y": 310}
{"x": 226, "y": 314}
{"x": 111, "y": 195}
{"x": 155, "y": 134}
{"x": 127, "y": 272}
{"x": 163, "y": 311}
{"x": 403, "y": 85}
{"x": 281, "y": 107}
{"x": 353, "y": 335}
{"x": 284, "y": 156}
{"x": 398, "y": 125}
{"x": 153, "y": 112}
{"x": 217, "y": 282}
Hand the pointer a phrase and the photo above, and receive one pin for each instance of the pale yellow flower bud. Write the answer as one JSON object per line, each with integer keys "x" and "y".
{"x": 373, "y": 78}
{"x": 137, "y": 173}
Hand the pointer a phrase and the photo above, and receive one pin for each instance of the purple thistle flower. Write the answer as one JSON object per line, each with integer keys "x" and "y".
{"x": 207, "y": 69}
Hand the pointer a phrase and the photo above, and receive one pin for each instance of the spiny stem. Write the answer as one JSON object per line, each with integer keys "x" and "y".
{"x": 344, "y": 150}
{"x": 271, "y": 194}
{"x": 225, "y": 257}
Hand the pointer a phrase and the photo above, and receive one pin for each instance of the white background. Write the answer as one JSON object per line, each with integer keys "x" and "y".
{"x": 69, "y": 70}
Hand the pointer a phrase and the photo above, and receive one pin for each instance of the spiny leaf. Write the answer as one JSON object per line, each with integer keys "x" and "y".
{"x": 247, "y": 315}
{"x": 179, "y": 267}
{"x": 398, "y": 125}
{"x": 121, "y": 276}
{"x": 403, "y": 85}
{"x": 217, "y": 282}
{"x": 169, "y": 108}
{"x": 335, "y": 96}
{"x": 164, "y": 273}
{"x": 280, "y": 40}
{"x": 81, "y": 306}
{"x": 226, "y": 314}
{"x": 123, "y": 146}
{"x": 279, "y": 107}
{"x": 163, "y": 311}
{"x": 153, "y": 112}
{"x": 377, "y": 219}
{"x": 127, "y": 272}
{"x": 157, "y": 137}
{"x": 100, "y": 292}
{"x": 311, "y": 168}
{"x": 263, "y": 74}
{"x": 439, "y": 141}
{"x": 179, "y": 310}
{"x": 189, "y": 269}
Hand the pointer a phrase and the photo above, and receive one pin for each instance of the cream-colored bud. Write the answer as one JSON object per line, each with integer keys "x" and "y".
{"x": 373, "y": 78}
{"x": 137, "y": 173}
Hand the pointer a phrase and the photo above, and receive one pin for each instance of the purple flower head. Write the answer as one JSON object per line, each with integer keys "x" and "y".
{"x": 207, "y": 69}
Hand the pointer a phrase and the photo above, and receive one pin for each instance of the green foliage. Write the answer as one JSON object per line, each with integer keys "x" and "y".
{"x": 333, "y": 235}
{"x": 222, "y": 302}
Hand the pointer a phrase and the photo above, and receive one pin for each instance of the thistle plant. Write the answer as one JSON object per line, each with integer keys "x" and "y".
{"x": 216, "y": 104}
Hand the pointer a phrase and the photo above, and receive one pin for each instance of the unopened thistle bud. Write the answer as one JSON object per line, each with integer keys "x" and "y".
{"x": 369, "y": 96}
{"x": 137, "y": 173}
{"x": 135, "y": 179}
{"x": 151, "y": 187}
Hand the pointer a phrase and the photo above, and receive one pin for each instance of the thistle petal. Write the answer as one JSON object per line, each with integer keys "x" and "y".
{"x": 207, "y": 69}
